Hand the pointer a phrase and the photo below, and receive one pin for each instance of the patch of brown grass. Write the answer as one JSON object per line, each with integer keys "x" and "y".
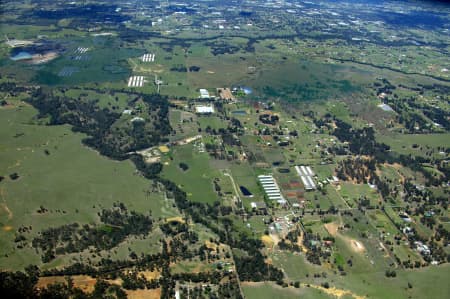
{"x": 141, "y": 294}
{"x": 84, "y": 282}
{"x": 7, "y": 228}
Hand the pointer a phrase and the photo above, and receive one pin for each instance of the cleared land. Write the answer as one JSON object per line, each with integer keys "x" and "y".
{"x": 58, "y": 173}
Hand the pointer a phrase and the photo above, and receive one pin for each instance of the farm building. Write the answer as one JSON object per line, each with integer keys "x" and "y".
{"x": 270, "y": 187}
{"x": 204, "y": 109}
{"x": 259, "y": 205}
{"x": 204, "y": 94}
{"x": 306, "y": 174}
{"x": 137, "y": 119}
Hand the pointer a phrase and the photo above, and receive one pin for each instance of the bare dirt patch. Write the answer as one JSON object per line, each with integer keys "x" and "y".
{"x": 175, "y": 219}
{"x": 7, "y": 228}
{"x": 141, "y": 294}
{"x": 84, "y": 282}
{"x": 149, "y": 275}
{"x": 332, "y": 228}
{"x": 355, "y": 245}
{"x": 275, "y": 238}
{"x": 211, "y": 245}
{"x": 268, "y": 241}
{"x": 225, "y": 94}
{"x": 7, "y": 210}
{"x": 338, "y": 293}
{"x": 300, "y": 242}
{"x": 335, "y": 292}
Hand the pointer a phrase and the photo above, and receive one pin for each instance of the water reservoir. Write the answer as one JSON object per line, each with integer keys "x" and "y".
{"x": 245, "y": 191}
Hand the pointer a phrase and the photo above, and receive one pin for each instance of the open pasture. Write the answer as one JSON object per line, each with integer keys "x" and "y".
{"x": 197, "y": 180}
{"x": 56, "y": 172}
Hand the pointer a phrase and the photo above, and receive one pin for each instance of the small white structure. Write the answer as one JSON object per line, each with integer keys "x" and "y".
{"x": 81, "y": 50}
{"x": 204, "y": 109}
{"x": 148, "y": 58}
{"x": 204, "y": 94}
{"x": 136, "y": 81}
{"x": 137, "y": 119}
{"x": 422, "y": 248}
{"x": 385, "y": 107}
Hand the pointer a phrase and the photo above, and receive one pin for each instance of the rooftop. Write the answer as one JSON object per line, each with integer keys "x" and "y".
{"x": 204, "y": 109}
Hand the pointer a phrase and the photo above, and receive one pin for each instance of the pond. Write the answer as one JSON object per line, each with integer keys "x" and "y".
{"x": 21, "y": 56}
{"x": 245, "y": 191}
{"x": 247, "y": 90}
{"x": 239, "y": 112}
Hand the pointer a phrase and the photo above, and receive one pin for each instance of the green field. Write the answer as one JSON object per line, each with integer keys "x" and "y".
{"x": 317, "y": 74}
{"x": 367, "y": 281}
{"x": 270, "y": 290}
{"x": 69, "y": 180}
{"x": 418, "y": 144}
{"x": 197, "y": 181}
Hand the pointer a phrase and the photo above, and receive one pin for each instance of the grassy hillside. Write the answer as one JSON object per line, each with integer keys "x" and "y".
{"x": 56, "y": 172}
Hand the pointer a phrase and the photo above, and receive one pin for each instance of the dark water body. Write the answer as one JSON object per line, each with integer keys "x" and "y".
{"x": 245, "y": 191}
{"x": 239, "y": 112}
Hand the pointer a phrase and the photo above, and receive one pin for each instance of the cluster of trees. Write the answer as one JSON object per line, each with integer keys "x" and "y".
{"x": 12, "y": 88}
{"x": 116, "y": 225}
{"x": 269, "y": 119}
{"x": 149, "y": 171}
{"x": 229, "y": 289}
{"x": 220, "y": 48}
{"x": 290, "y": 242}
{"x": 390, "y": 273}
{"x": 183, "y": 69}
{"x": 253, "y": 268}
{"x": 314, "y": 244}
{"x": 179, "y": 68}
{"x": 98, "y": 123}
{"x": 361, "y": 141}
{"x": 173, "y": 228}
{"x": 132, "y": 281}
{"x": 363, "y": 170}
{"x": 183, "y": 166}
{"x": 286, "y": 245}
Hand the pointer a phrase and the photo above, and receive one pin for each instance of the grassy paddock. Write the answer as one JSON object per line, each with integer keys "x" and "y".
{"x": 69, "y": 180}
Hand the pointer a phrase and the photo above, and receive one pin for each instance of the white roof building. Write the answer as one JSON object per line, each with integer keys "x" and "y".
{"x": 137, "y": 119}
{"x": 204, "y": 94}
{"x": 204, "y": 109}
